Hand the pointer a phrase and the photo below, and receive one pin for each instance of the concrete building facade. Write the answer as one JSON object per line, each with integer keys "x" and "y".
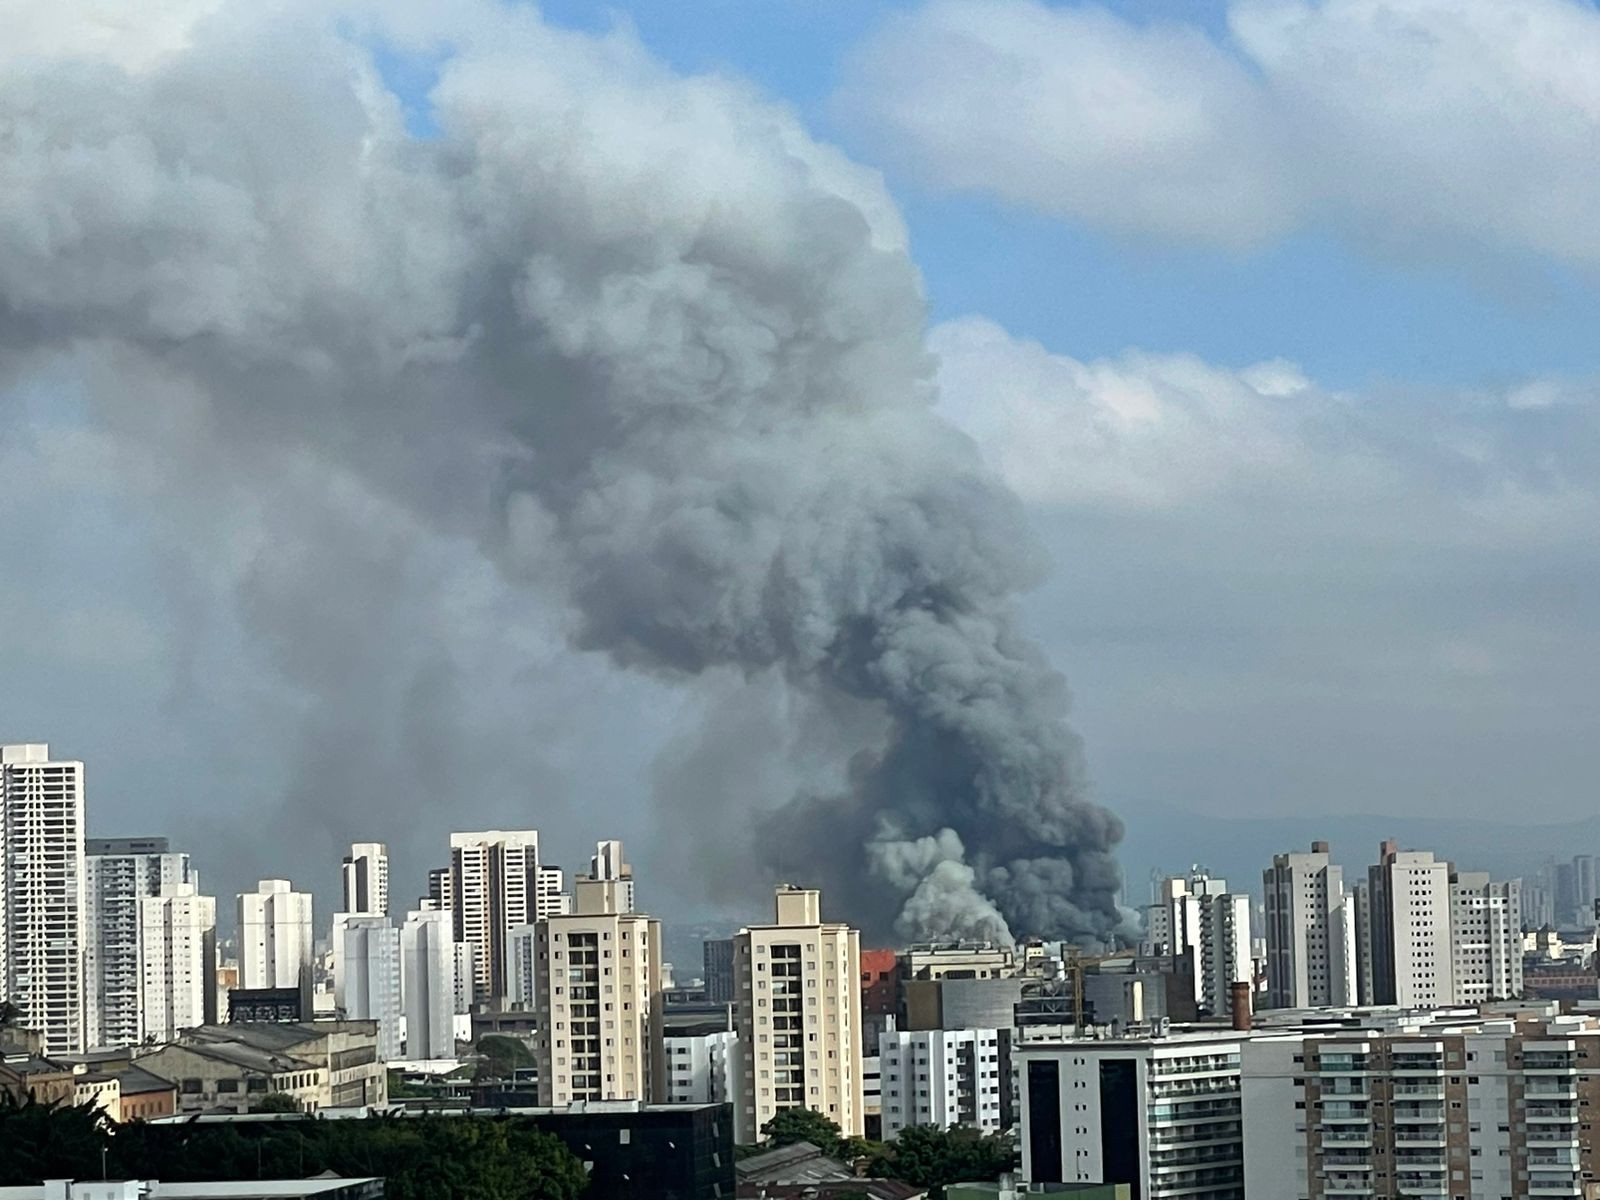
{"x": 798, "y": 1015}
{"x": 177, "y": 961}
{"x": 493, "y": 888}
{"x": 598, "y": 983}
{"x": 1481, "y": 1106}
{"x": 1159, "y": 1114}
{"x": 275, "y": 938}
{"x": 120, "y": 874}
{"x": 944, "y": 1077}
{"x": 1199, "y": 918}
{"x": 366, "y": 879}
{"x": 1311, "y": 931}
{"x": 702, "y": 1068}
{"x": 428, "y": 984}
{"x": 1485, "y": 938}
{"x": 1408, "y": 903}
{"x": 372, "y": 990}
{"x": 43, "y": 894}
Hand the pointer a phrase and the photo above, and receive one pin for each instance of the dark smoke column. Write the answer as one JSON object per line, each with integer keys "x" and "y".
{"x": 639, "y": 336}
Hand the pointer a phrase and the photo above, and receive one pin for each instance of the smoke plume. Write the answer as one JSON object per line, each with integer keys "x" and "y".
{"x": 637, "y": 336}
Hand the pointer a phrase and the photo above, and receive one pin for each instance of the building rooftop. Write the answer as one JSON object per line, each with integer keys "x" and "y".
{"x": 241, "y": 1054}
{"x": 798, "y": 1163}
{"x": 583, "y": 1108}
{"x": 136, "y": 1081}
{"x": 254, "y": 1189}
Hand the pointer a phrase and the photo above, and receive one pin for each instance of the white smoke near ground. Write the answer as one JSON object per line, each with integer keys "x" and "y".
{"x": 643, "y": 341}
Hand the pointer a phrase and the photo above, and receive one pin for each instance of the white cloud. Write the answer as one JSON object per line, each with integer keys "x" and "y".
{"x": 1147, "y": 433}
{"x": 1408, "y": 123}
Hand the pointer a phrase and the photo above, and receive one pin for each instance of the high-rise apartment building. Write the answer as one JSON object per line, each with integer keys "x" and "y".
{"x": 599, "y": 995}
{"x": 492, "y": 889}
{"x": 372, "y": 985}
{"x": 1485, "y": 938}
{"x": 608, "y": 863}
{"x": 1311, "y": 932}
{"x": 366, "y": 880}
{"x": 177, "y": 961}
{"x": 524, "y": 962}
{"x": 43, "y": 893}
{"x": 798, "y": 1016}
{"x": 553, "y": 897}
{"x": 119, "y": 874}
{"x": 428, "y": 984}
{"x": 1483, "y": 1106}
{"x": 944, "y": 1077}
{"x": 702, "y": 1067}
{"x": 1199, "y": 918}
{"x": 1409, "y": 913}
{"x": 275, "y": 939}
{"x": 717, "y": 956}
{"x": 1157, "y": 1113}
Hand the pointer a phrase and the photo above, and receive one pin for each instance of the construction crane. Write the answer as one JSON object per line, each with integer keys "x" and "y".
{"x": 1075, "y": 964}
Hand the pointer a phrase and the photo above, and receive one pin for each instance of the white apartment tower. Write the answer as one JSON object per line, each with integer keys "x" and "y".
{"x": 366, "y": 880}
{"x": 492, "y": 888}
{"x": 703, "y": 1068}
{"x": 553, "y": 897}
{"x": 275, "y": 940}
{"x": 524, "y": 966}
{"x": 372, "y": 985}
{"x": 1408, "y": 903}
{"x": 42, "y": 893}
{"x": 1311, "y": 932}
{"x": 797, "y": 998}
{"x": 119, "y": 874}
{"x": 177, "y": 961}
{"x": 599, "y": 994}
{"x": 941, "y": 1077}
{"x": 1160, "y": 1114}
{"x": 608, "y": 863}
{"x": 1198, "y": 917}
{"x": 1485, "y": 938}
{"x": 428, "y": 983}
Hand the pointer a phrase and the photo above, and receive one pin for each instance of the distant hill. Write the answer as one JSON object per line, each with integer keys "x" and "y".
{"x": 1170, "y": 840}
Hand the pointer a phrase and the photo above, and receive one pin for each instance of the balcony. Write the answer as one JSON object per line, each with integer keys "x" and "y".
{"x": 1420, "y": 1183}
{"x": 1419, "y": 1091}
{"x": 1345, "y": 1135}
{"x": 1418, "y": 1135}
{"x": 1565, "y": 1185}
{"x": 1547, "y": 1085}
{"x": 1563, "y": 1135}
{"x": 1551, "y": 1114}
{"x": 1418, "y": 1114}
{"x": 1346, "y": 1115}
{"x": 1351, "y": 1185}
{"x": 1344, "y": 1064}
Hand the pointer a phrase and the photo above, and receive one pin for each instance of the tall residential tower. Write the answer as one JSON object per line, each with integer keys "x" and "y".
{"x": 42, "y": 893}
{"x": 798, "y": 1016}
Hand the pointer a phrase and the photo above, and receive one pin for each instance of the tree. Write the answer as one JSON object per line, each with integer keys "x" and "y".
{"x": 276, "y": 1102}
{"x": 10, "y": 1014}
{"x": 933, "y": 1158}
{"x": 791, "y": 1125}
{"x": 49, "y": 1140}
{"x": 502, "y": 1056}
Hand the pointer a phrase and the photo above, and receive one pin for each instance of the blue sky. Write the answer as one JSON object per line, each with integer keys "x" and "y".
{"x": 1350, "y": 318}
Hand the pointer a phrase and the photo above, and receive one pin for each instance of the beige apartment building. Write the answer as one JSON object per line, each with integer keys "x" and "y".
{"x": 1489, "y": 1105}
{"x": 798, "y": 1016}
{"x": 598, "y": 989}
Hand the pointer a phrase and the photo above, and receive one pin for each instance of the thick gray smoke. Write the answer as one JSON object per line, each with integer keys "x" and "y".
{"x": 639, "y": 336}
